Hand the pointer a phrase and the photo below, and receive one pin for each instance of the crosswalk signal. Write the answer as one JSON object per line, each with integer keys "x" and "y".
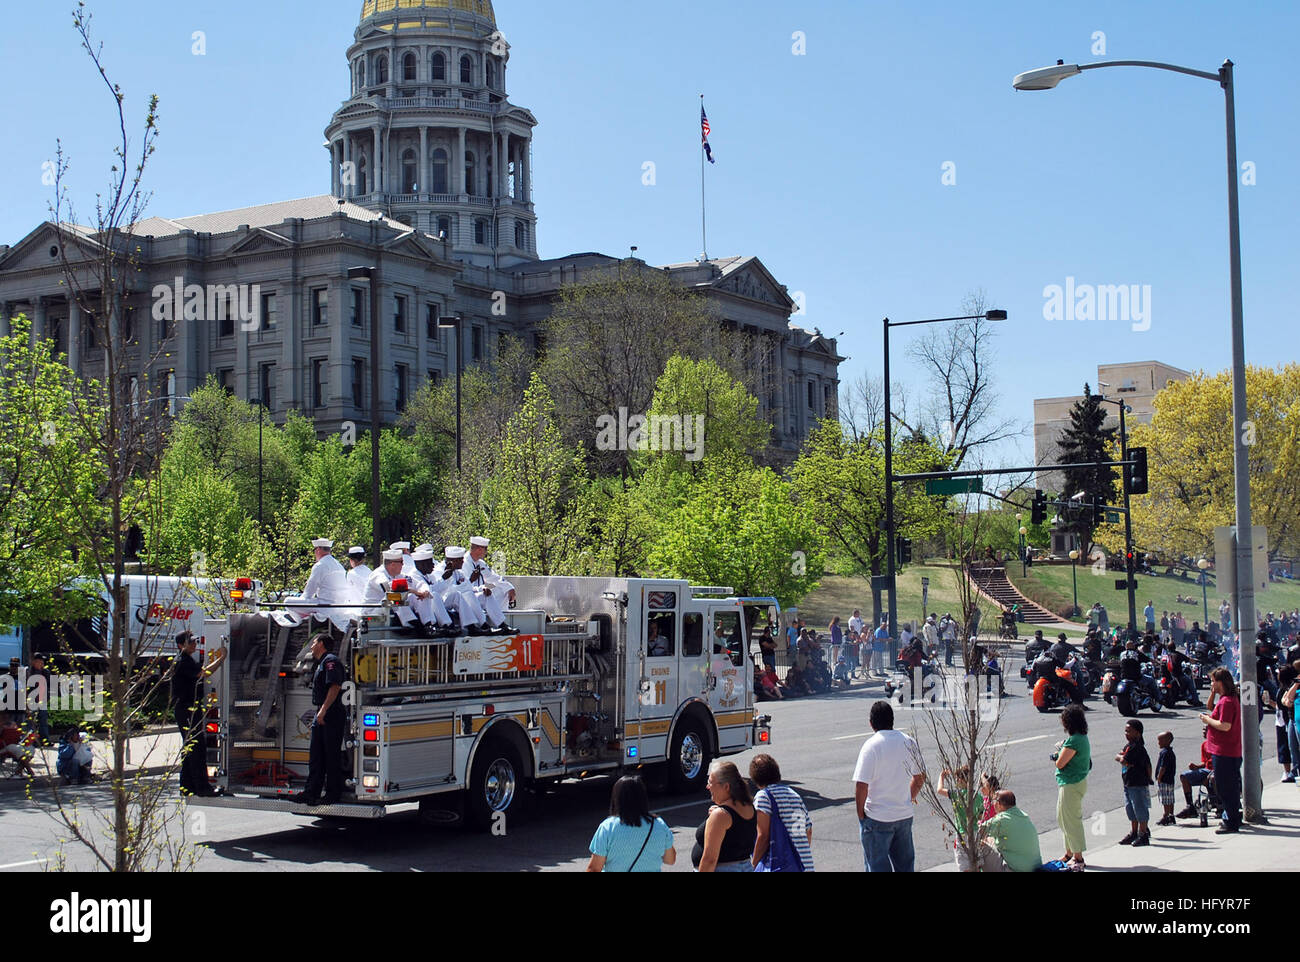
{"x": 904, "y": 551}
{"x": 1137, "y": 474}
{"x": 1038, "y": 510}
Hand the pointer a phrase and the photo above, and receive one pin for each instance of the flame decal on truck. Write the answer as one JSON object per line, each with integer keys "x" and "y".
{"x": 519, "y": 653}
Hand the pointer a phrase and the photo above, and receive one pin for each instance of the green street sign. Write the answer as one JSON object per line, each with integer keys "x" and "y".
{"x": 955, "y": 486}
{"x": 1112, "y": 517}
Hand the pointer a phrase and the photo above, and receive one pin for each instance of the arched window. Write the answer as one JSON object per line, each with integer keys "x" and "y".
{"x": 410, "y": 172}
{"x": 521, "y": 235}
{"x": 361, "y": 75}
{"x": 408, "y": 68}
{"x": 381, "y": 69}
{"x": 491, "y": 74}
{"x": 362, "y": 180}
{"x": 439, "y": 67}
{"x": 471, "y": 185}
{"x": 444, "y": 228}
{"x": 466, "y": 70}
{"x": 440, "y": 171}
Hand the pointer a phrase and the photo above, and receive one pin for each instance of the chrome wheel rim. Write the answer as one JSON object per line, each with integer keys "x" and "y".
{"x": 691, "y": 756}
{"x": 499, "y": 785}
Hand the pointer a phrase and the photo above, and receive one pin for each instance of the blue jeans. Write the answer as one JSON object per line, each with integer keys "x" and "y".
{"x": 1293, "y": 742}
{"x": 1137, "y": 803}
{"x": 745, "y": 865}
{"x": 887, "y": 846}
{"x": 1227, "y": 785}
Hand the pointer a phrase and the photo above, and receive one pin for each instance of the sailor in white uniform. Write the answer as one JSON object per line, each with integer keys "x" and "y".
{"x": 448, "y": 578}
{"x": 493, "y": 591}
{"x": 426, "y": 600}
{"x": 326, "y": 585}
{"x": 405, "y": 547}
{"x": 380, "y": 583}
{"x": 358, "y": 572}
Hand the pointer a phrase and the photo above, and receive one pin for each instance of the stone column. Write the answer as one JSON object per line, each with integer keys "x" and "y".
{"x": 5, "y": 316}
{"x": 376, "y": 185}
{"x": 503, "y": 166}
{"x": 346, "y": 190}
{"x": 458, "y": 177}
{"x": 74, "y": 335}
{"x": 525, "y": 152}
{"x": 495, "y": 186}
{"x": 38, "y": 319}
{"x": 423, "y": 168}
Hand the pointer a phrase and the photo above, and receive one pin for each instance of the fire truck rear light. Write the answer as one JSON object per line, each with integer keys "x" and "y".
{"x": 244, "y": 584}
{"x": 370, "y": 719}
{"x": 631, "y": 751}
{"x": 394, "y": 596}
{"x": 370, "y": 764}
{"x": 370, "y": 751}
{"x": 371, "y": 735}
{"x": 236, "y": 595}
{"x": 369, "y": 781}
{"x": 764, "y": 737}
{"x": 489, "y": 709}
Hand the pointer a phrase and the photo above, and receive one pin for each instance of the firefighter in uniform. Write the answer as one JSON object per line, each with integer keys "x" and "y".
{"x": 326, "y": 761}
{"x": 189, "y": 709}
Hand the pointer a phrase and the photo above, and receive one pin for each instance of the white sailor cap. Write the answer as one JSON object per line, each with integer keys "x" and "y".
{"x": 393, "y": 554}
{"x": 422, "y": 554}
{"x": 401, "y": 545}
{"x": 425, "y": 547}
{"x": 480, "y": 542}
{"x": 322, "y": 543}
{"x": 357, "y": 550}
{"x": 453, "y": 551}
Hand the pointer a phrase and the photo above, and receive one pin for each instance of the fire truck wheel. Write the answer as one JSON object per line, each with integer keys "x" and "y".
{"x": 496, "y": 786}
{"x": 688, "y": 762}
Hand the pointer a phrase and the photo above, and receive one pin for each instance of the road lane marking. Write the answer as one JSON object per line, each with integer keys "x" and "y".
{"x": 671, "y": 808}
{"x": 35, "y": 861}
{"x": 1021, "y": 741}
{"x": 840, "y": 738}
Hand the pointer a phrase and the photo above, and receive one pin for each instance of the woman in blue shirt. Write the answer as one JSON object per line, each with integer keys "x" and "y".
{"x": 632, "y": 839}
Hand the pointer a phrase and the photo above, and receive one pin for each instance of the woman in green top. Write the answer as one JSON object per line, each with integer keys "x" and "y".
{"x": 1073, "y": 760}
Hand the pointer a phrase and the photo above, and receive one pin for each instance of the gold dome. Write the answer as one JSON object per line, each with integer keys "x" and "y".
{"x": 418, "y": 7}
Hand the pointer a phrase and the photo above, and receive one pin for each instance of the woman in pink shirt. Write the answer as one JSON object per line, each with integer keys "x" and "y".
{"x": 1223, "y": 735}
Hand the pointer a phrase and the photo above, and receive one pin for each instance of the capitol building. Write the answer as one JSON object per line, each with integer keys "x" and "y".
{"x": 429, "y": 171}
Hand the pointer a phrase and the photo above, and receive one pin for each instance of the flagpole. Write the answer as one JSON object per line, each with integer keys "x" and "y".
{"x": 704, "y": 223}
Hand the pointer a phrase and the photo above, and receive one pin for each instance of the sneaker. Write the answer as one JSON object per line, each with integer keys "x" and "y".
{"x": 1143, "y": 839}
{"x": 1225, "y": 830}
{"x": 1288, "y": 779}
{"x": 1167, "y": 820}
{"x": 1189, "y": 812}
{"x": 1128, "y": 839}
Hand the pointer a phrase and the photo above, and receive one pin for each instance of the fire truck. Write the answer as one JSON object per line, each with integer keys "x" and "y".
{"x": 606, "y": 675}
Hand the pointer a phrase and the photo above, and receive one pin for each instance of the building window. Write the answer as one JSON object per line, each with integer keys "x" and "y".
{"x": 399, "y": 397}
{"x": 358, "y": 306}
{"x": 88, "y": 324}
{"x": 225, "y": 321}
{"x": 410, "y": 173}
{"x": 491, "y": 190}
{"x": 363, "y": 184}
{"x": 226, "y": 379}
{"x": 408, "y": 68}
{"x": 266, "y": 385}
{"x": 439, "y": 67}
{"x": 399, "y": 314}
{"x": 128, "y": 323}
{"x": 431, "y": 313}
{"x": 381, "y": 70}
{"x": 521, "y": 235}
{"x": 444, "y": 228}
{"x": 480, "y": 231}
{"x": 466, "y": 70}
{"x": 270, "y": 312}
{"x": 477, "y": 342}
{"x": 320, "y": 307}
{"x": 166, "y": 327}
{"x": 318, "y": 383}
{"x": 434, "y": 378}
{"x": 169, "y": 385}
{"x": 440, "y": 171}
{"x": 491, "y": 74}
{"x": 471, "y": 187}
{"x": 359, "y": 383}
{"x": 361, "y": 75}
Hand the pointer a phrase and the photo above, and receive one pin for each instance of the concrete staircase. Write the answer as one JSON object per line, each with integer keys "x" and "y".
{"x": 993, "y": 584}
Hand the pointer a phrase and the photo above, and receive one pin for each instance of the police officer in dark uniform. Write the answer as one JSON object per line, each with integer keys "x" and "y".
{"x": 187, "y": 701}
{"x": 326, "y": 762}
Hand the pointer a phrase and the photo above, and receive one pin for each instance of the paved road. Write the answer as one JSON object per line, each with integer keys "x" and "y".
{"x": 816, "y": 742}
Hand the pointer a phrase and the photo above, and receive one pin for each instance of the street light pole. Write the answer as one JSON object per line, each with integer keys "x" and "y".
{"x": 1129, "y": 575}
{"x": 1074, "y": 577}
{"x": 1045, "y": 78}
{"x": 1205, "y": 601}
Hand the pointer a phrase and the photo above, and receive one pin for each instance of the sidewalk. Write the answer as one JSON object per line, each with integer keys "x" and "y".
{"x": 151, "y": 753}
{"x": 1186, "y": 847}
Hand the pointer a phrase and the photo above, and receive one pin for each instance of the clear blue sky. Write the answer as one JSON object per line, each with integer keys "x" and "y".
{"x": 829, "y": 164}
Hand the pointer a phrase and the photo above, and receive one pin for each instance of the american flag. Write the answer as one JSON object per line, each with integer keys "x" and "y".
{"x": 705, "y": 131}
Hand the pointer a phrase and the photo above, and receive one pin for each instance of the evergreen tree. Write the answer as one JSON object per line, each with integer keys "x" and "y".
{"x": 1087, "y": 439}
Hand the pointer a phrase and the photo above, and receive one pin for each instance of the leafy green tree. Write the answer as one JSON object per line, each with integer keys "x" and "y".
{"x": 409, "y": 480}
{"x": 741, "y": 526}
{"x": 327, "y": 505}
{"x": 205, "y": 532}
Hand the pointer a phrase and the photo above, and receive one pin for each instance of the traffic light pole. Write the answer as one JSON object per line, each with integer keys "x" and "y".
{"x": 1126, "y": 477}
{"x": 889, "y": 509}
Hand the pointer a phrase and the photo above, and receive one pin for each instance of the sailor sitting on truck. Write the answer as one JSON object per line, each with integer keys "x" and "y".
{"x": 450, "y": 580}
{"x": 326, "y": 585}
{"x": 492, "y": 590}
{"x": 429, "y": 605}
{"x": 380, "y": 584}
{"x": 408, "y": 563}
{"x": 358, "y": 572}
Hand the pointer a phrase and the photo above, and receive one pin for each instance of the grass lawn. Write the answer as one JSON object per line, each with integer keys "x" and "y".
{"x": 1050, "y": 585}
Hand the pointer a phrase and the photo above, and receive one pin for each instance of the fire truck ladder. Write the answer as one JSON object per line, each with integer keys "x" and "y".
{"x": 267, "y": 707}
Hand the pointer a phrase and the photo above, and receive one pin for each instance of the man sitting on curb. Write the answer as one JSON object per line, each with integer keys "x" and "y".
{"x": 1013, "y": 836}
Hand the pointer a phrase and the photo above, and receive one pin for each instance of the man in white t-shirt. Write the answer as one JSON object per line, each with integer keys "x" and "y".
{"x": 856, "y": 624}
{"x": 887, "y": 779}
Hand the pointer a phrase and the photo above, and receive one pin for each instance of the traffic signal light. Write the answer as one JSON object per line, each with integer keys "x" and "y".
{"x": 1137, "y": 475}
{"x": 1038, "y": 510}
{"x": 1098, "y": 513}
{"x": 1129, "y": 559}
{"x": 904, "y": 551}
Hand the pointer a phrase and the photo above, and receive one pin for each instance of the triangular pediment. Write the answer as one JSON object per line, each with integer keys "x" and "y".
{"x": 409, "y": 244}
{"x": 260, "y": 239}
{"x": 751, "y": 279}
{"x": 40, "y": 250}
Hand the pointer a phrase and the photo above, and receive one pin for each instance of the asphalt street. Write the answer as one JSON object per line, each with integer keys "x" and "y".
{"x": 816, "y": 741}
